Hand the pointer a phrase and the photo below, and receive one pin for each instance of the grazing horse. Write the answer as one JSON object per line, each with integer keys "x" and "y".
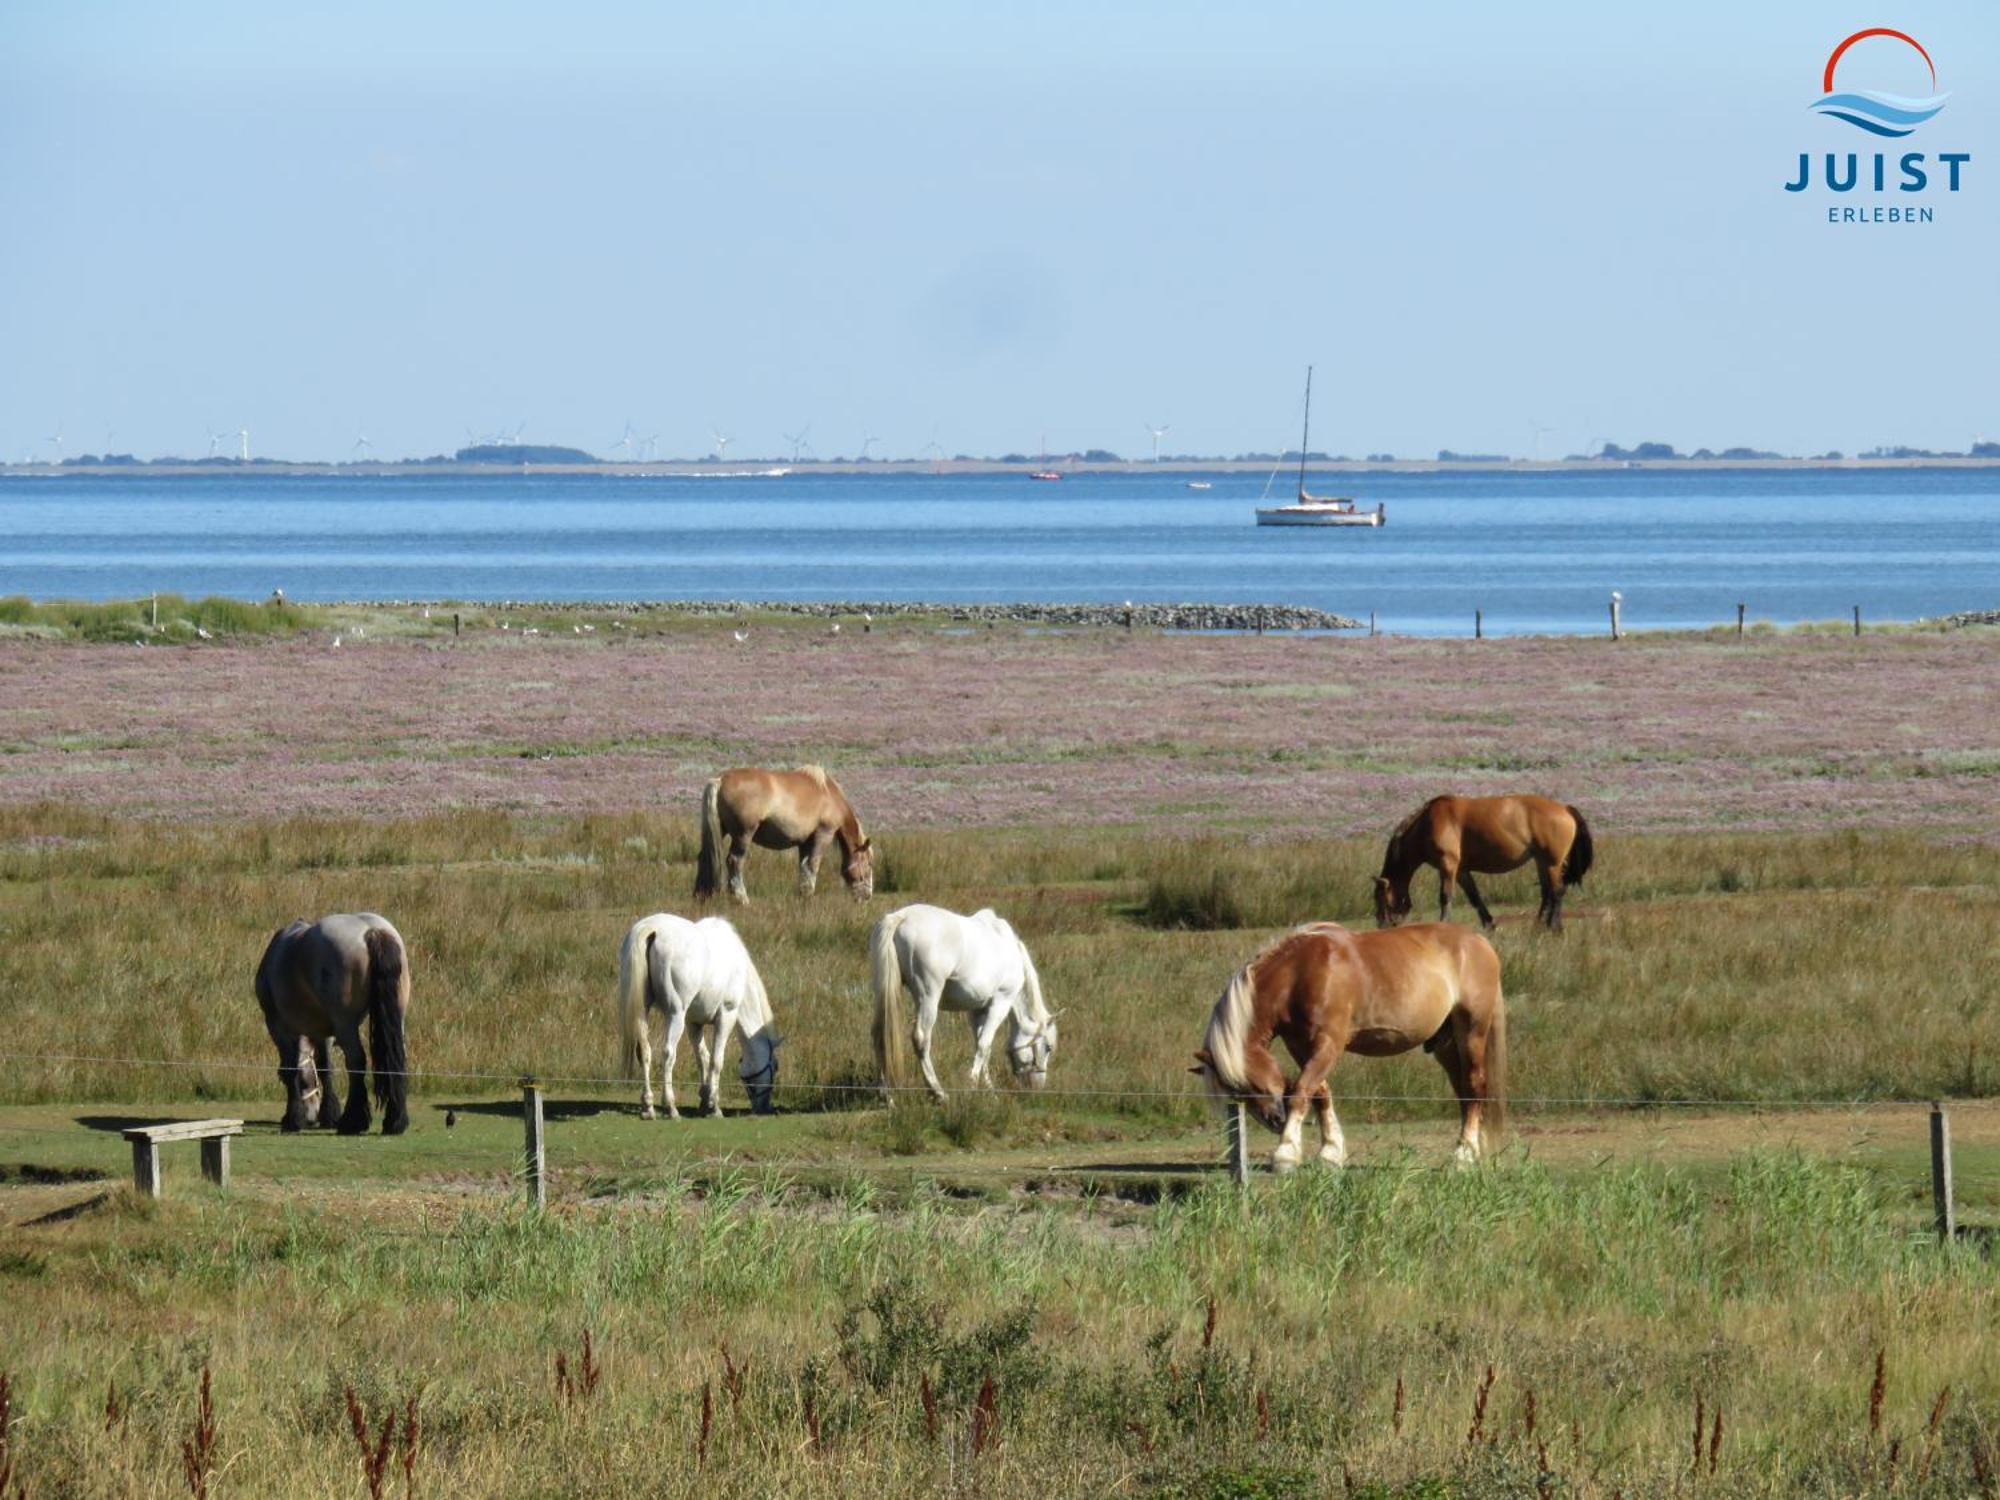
{"x": 1492, "y": 835}
{"x": 804, "y": 810}
{"x": 975, "y": 964}
{"x": 322, "y": 979}
{"x": 1323, "y": 990}
{"x": 700, "y": 975}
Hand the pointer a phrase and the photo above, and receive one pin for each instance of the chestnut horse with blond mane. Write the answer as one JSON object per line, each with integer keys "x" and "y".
{"x": 1457, "y": 835}
{"x": 804, "y": 810}
{"x": 1323, "y": 990}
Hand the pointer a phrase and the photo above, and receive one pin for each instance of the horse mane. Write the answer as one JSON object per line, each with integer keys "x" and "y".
{"x": 818, "y": 774}
{"x": 1393, "y": 854}
{"x": 1229, "y": 1022}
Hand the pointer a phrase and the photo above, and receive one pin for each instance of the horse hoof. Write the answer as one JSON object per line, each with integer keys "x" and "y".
{"x": 1333, "y": 1159}
{"x": 289, "y": 1126}
{"x": 1283, "y": 1164}
{"x": 649, "y": 1113}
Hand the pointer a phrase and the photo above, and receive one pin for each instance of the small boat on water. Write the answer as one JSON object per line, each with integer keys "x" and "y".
{"x": 1044, "y": 474}
{"x": 1199, "y": 484}
{"x": 1318, "y": 510}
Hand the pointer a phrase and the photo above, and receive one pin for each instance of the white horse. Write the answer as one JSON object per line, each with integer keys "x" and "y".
{"x": 973, "y": 964}
{"x": 700, "y": 975}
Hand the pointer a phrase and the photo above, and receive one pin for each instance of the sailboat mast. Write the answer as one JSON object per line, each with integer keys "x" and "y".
{"x": 1306, "y": 431}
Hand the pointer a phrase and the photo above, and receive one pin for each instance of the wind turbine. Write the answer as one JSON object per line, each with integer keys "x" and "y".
{"x": 721, "y": 445}
{"x": 361, "y": 445}
{"x": 798, "y": 440}
{"x": 243, "y": 437}
{"x": 1540, "y": 433}
{"x": 1158, "y": 433}
{"x": 215, "y": 442}
{"x": 624, "y": 444}
{"x": 868, "y": 442}
{"x": 649, "y": 447}
{"x": 56, "y": 439}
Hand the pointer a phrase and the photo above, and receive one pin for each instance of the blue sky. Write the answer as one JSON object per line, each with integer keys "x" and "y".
{"x": 977, "y": 225}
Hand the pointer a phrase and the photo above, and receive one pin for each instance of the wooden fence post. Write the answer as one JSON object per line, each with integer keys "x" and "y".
{"x": 1479, "y": 624}
{"x": 1616, "y": 600}
{"x": 146, "y": 1167}
{"x": 537, "y": 1155}
{"x": 1947, "y": 1213}
{"x": 1371, "y": 624}
{"x": 1857, "y": 622}
{"x": 454, "y": 623}
{"x": 1236, "y": 1137}
{"x": 1739, "y": 619}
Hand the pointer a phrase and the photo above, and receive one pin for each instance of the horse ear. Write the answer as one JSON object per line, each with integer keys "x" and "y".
{"x": 1202, "y": 1061}
{"x": 1382, "y": 884}
{"x": 866, "y": 844}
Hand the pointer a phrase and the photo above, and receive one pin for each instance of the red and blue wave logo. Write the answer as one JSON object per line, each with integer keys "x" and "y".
{"x": 1873, "y": 111}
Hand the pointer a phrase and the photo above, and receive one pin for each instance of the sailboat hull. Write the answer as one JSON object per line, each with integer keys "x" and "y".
{"x": 1318, "y": 515}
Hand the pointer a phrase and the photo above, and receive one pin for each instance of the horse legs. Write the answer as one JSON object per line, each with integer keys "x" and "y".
{"x": 1447, "y": 877}
{"x": 646, "y": 1110}
{"x": 676, "y": 1024}
{"x": 329, "y": 1097}
{"x": 1551, "y": 914}
{"x": 710, "y": 1058}
{"x": 1472, "y": 895}
{"x": 1332, "y": 1144}
{"x": 739, "y": 850}
{"x": 355, "y": 1118}
{"x": 289, "y": 1052}
{"x": 1304, "y": 1095}
{"x": 985, "y": 1029}
{"x": 1463, "y": 1054}
{"x": 809, "y": 857}
{"x": 926, "y": 1022}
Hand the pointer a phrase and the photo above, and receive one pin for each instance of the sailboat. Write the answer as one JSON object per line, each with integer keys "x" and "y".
{"x": 1318, "y": 510}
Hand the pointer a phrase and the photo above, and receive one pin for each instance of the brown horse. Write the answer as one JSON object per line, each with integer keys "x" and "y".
{"x": 1323, "y": 990}
{"x": 323, "y": 979}
{"x": 804, "y": 810}
{"x": 1492, "y": 835}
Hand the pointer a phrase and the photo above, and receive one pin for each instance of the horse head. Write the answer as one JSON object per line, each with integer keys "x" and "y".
{"x": 1029, "y": 1051}
{"x": 859, "y": 871}
{"x": 1268, "y": 1107}
{"x": 759, "y": 1069}
{"x": 1392, "y": 900}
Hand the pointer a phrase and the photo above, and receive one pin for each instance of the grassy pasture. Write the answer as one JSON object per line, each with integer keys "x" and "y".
{"x": 1796, "y": 903}
{"x": 1616, "y": 1263}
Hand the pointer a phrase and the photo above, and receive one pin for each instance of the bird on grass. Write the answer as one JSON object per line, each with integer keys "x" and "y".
{"x": 450, "y": 1118}
{"x": 739, "y": 636}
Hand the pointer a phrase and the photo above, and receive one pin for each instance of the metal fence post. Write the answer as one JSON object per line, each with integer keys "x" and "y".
{"x": 537, "y": 1155}
{"x": 1947, "y": 1213}
{"x": 1236, "y": 1137}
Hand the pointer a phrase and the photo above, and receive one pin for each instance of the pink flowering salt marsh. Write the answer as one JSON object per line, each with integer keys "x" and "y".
{"x": 934, "y": 728}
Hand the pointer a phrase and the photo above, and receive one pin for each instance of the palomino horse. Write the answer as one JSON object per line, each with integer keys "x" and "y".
{"x": 973, "y": 964}
{"x": 323, "y": 979}
{"x": 803, "y": 810}
{"x": 1323, "y": 990}
{"x": 700, "y": 975}
{"x": 1492, "y": 835}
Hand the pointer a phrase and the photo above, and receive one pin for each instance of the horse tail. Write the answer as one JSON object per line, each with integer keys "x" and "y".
{"x": 892, "y": 1026}
{"x": 1581, "y": 852}
{"x": 708, "y": 866}
{"x": 635, "y": 965}
{"x": 388, "y": 1000}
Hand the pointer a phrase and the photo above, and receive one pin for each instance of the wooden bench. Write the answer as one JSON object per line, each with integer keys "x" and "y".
{"x": 214, "y": 1137}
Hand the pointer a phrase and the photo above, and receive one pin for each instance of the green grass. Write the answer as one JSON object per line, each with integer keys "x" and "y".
{"x": 1617, "y": 1263}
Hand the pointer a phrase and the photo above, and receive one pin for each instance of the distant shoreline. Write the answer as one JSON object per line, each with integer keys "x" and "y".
{"x": 768, "y": 469}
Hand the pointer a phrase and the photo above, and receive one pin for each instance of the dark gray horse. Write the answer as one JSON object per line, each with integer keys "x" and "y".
{"x": 320, "y": 980}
